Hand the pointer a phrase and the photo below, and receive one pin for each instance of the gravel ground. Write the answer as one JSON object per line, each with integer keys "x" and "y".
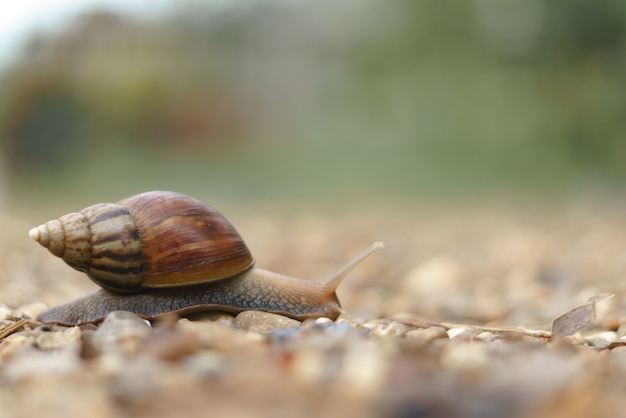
{"x": 452, "y": 318}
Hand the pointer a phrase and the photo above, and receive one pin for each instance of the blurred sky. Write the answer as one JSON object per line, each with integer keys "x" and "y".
{"x": 19, "y": 20}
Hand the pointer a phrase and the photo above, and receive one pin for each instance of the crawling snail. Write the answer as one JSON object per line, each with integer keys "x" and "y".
{"x": 161, "y": 252}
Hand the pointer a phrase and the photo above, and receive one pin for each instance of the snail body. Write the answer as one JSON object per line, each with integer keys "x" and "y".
{"x": 161, "y": 252}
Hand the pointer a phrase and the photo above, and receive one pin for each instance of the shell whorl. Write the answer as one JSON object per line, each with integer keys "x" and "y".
{"x": 154, "y": 239}
{"x": 100, "y": 240}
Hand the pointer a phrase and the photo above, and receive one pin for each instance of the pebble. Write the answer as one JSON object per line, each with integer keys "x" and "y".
{"x": 206, "y": 365}
{"x": 37, "y": 363}
{"x": 605, "y": 335}
{"x": 218, "y": 335}
{"x": 310, "y": 365}
{"x": 14, "y": 343}
{"x": 364, "y": 380}
{"x": 263, "y": 322}
{"x": 621, "y": 331}
{"x": 57, "y": 340}
{"x": 598, "y": 342}
{"x": 487, "y": 336}
{"x": 171, "y": 344}
{"x": 601, "y": 339}
{"x": 120, "y": 330}
{"x": 322, "y": 335}
{"x": 211, "y": 316}
{"x": 391, "y": 329}
{"x": 427, "y": 334}
{"x": 459, "y": 333}
{"x": 140, "y": 377}
{"x": 5, "y": 313}
{"x": 465, "y": 356}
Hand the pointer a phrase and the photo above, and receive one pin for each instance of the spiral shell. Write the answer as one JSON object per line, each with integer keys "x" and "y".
{"x": 153, "y": 239}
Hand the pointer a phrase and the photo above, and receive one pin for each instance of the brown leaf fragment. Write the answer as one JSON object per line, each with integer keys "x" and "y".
{"x": 616, "y": 344}
{"x": 571, "y": 321}
{"x": 599, "y": 298}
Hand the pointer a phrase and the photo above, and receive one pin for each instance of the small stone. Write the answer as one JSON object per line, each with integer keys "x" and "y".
{"x": 120, "y": 330}
{"x": 14, "y": 343}
{"x": 605, "y": 335}
{"x": 254, "y": 337}
{"x": 211, "y": 316}
{"x": 598, "y": 342}
{"x": 310, "y": 366}
{"x": 343, "y": 321}
{"x": 5, "y": 313}
{"x": 621, "y": 331}
{"x": 427, "y": 334}
{"x": 371, "y": 324}
{"x": 37, "y": 363}
{"x": 50, "y": 340}
{"x": 264, "y": 329}
{"x": 140, "y": 378}
{"x": 601, "y": 339}
{"x": 56, "y": 340}
{"x": 459, "y": 332}
{"x": 171, "y": 344}
{"x": 364, "y": 380}
{"x": 206, "y": 364}
{"x": 487, "y": 336}
{"x": 464, "y": 356}
{"x": 219, "y": 335}
{"x": 269, "y": 321}
{"x": 391, "y": 329}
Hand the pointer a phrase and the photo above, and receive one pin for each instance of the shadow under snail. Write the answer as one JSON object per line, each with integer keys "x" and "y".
{"x": 163, "y": 252}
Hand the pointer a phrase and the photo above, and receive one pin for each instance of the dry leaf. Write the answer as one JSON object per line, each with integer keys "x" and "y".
{"x": 571, "y": 321}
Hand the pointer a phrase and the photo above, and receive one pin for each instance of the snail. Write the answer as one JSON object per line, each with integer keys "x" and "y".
{"x": 163, "y": 252}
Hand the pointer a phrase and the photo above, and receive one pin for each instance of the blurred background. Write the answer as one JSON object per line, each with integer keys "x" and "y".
{"x": 309, "y": 100}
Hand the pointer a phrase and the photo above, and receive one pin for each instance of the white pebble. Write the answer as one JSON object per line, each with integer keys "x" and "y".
{"x": 364, "y": 367}
{"x": 455, "y": 332}
{"x": 392, "y": 329}
{"x": 120, "y": 330}
{"x": 269, "y": 321}
{"x": 5, "y": 313}
{"x": 34, "y": 363}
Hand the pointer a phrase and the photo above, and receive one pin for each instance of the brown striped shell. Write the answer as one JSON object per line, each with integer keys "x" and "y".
{"x": 153, "y": 239}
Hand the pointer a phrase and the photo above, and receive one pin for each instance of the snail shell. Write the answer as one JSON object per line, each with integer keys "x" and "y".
{"x": 154, "y": 239}
{"x": 162, "y": 252}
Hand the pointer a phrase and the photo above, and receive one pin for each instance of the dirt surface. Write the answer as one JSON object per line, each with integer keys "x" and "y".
{"x": 405, "y": 346}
